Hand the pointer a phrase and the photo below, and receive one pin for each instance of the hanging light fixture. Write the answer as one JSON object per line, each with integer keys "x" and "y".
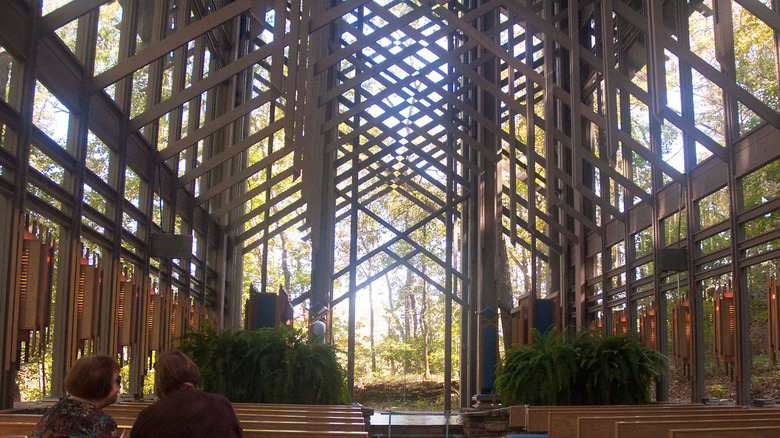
{"x": 89, "y": 285}
{"x": 724, "y": 328}
{"x": 681, "y": 335}
{"x": 647, "y": 326}
{"x": 33, "y": 290}
{"x": 774, "y": 319}
{"x": 620, "y": 322}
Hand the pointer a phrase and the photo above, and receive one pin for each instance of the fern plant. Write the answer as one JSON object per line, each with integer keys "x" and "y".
{"x": 266, "y": 366}
{"x": 618, "y": 369}
{"x": 540, "y": 374}
{"x": 588, "y": 370}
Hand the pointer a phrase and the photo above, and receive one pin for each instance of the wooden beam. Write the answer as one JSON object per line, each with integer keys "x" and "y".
{"x": 721, "y": 80}
{"x": 265, "y": 206}
{"x": 364, "y": 40}
{"x": 768, "y": 16}
{"x": 162, "y": 48}
{"x": 231, "y": 151}
{"x": 249, "y": 194}
{"x": 69, "y": 12}
{"x": 216, "y": 124}
{"x": 200, "y": 86}
{"x": 271, "y": 219}
{"x": 271, "y": 234}
{"x": 242, "y": 175}
{"x": 334, "y": 13}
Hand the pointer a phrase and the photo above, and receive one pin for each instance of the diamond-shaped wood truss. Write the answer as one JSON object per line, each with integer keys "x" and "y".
{"x": 545, "y": 123}
{"x": 414, "y": 90}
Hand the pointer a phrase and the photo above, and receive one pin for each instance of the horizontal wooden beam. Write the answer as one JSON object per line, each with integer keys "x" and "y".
{"x": 69, "y": 12}
{"x": 200, "y": 86}
{"x": 249, "y": 194}
{"x": 173, "y": 42}
{"x": 213, "y": 126}
{"x": 242, "y": 175}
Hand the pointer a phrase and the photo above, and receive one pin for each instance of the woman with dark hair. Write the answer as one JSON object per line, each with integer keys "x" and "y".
{"x": 182, "y": 410}
{"x": 92, "y": 384}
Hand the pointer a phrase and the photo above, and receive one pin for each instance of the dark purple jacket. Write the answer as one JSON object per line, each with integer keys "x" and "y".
{"x": 187, "y": 413}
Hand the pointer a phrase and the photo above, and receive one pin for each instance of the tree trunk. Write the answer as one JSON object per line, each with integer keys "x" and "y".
{"x": 424, "y": 324}
{"x": 413, "y": 311}
{"x": 371, "y": 325}
{"x": 390, "y": 332}
{"x": 408, "y": 308}
{"x": 285, "y": 268}
{"x": 408, "y": 311}
{"x": 505, "y": 301}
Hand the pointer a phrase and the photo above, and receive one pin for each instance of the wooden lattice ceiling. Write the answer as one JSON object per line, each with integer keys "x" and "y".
{"x": 539, "y": 123}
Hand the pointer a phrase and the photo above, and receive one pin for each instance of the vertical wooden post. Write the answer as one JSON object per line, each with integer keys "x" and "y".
{"x": 724, "y": 52}
{"x": 657, "y": 87}
{"x": 24, "y": 98}
{"x": 489, "y": 224}
{"x": 318, "y": 173}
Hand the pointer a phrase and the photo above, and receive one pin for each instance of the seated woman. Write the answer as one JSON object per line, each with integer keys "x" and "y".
{"x": 182, "y": 410}
{"x": 92, "y": 384}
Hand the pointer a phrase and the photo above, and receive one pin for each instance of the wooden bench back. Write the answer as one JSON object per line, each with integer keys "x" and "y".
{"x": 287, "y": 422}
{"x": 592, "y": 427}
{"x": 564, "y": 423}
{"x": 302, "y": 425}
{"x": 19, "y": 418}
{"x": 661, "y": 429}
{"x": 17, "y": 429}
{"x": 728, "y": 432}
{"x": 259, "y": 433}
{"x": 536, "y": 418}
{"x": 299, "y": 417}
{"x": 297, "y": 406}
{"x": 256, "y": 408}
{"x": 10, "y": 428}
{"x": 124, "y": 417}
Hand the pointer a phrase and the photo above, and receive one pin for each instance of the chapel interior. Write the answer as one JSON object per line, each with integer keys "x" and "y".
{"x": 609, "y": 165}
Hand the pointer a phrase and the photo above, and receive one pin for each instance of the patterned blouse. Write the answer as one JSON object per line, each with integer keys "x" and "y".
{"x": 73, "y": 418}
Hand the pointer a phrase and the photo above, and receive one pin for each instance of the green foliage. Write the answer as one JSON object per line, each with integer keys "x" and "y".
{"x": 266, "y": 366}
{"x": 589, "y": 370}
{"x": 542, "y": 374}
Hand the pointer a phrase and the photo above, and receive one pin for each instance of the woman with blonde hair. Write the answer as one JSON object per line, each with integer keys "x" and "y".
{"x": 182, "y": 410}
{"x": 92, "y": 384}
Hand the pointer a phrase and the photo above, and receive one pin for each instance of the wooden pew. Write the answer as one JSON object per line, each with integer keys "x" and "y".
{"x": 297, "y": 417}
{"x": 297, "y": 421}
{"x": 9, "y": 428}
{"x": 246, "y": 416}
{"x": 312, "y": 425}
{"x": 258, "y": 433}
{"x": 597, "y": 424}
{"x": 139, "y": 406}
{"x": 728, "y": 432}
{"x": 536, "y": 418}
{"x": 565, "y": 423}
{"x": 662, "y": 428}
{"x": 594, "y": 426}
{"x": 297, "y": 406}
{"x": 16, "y": 429}
{"x": 19, "y": 418}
